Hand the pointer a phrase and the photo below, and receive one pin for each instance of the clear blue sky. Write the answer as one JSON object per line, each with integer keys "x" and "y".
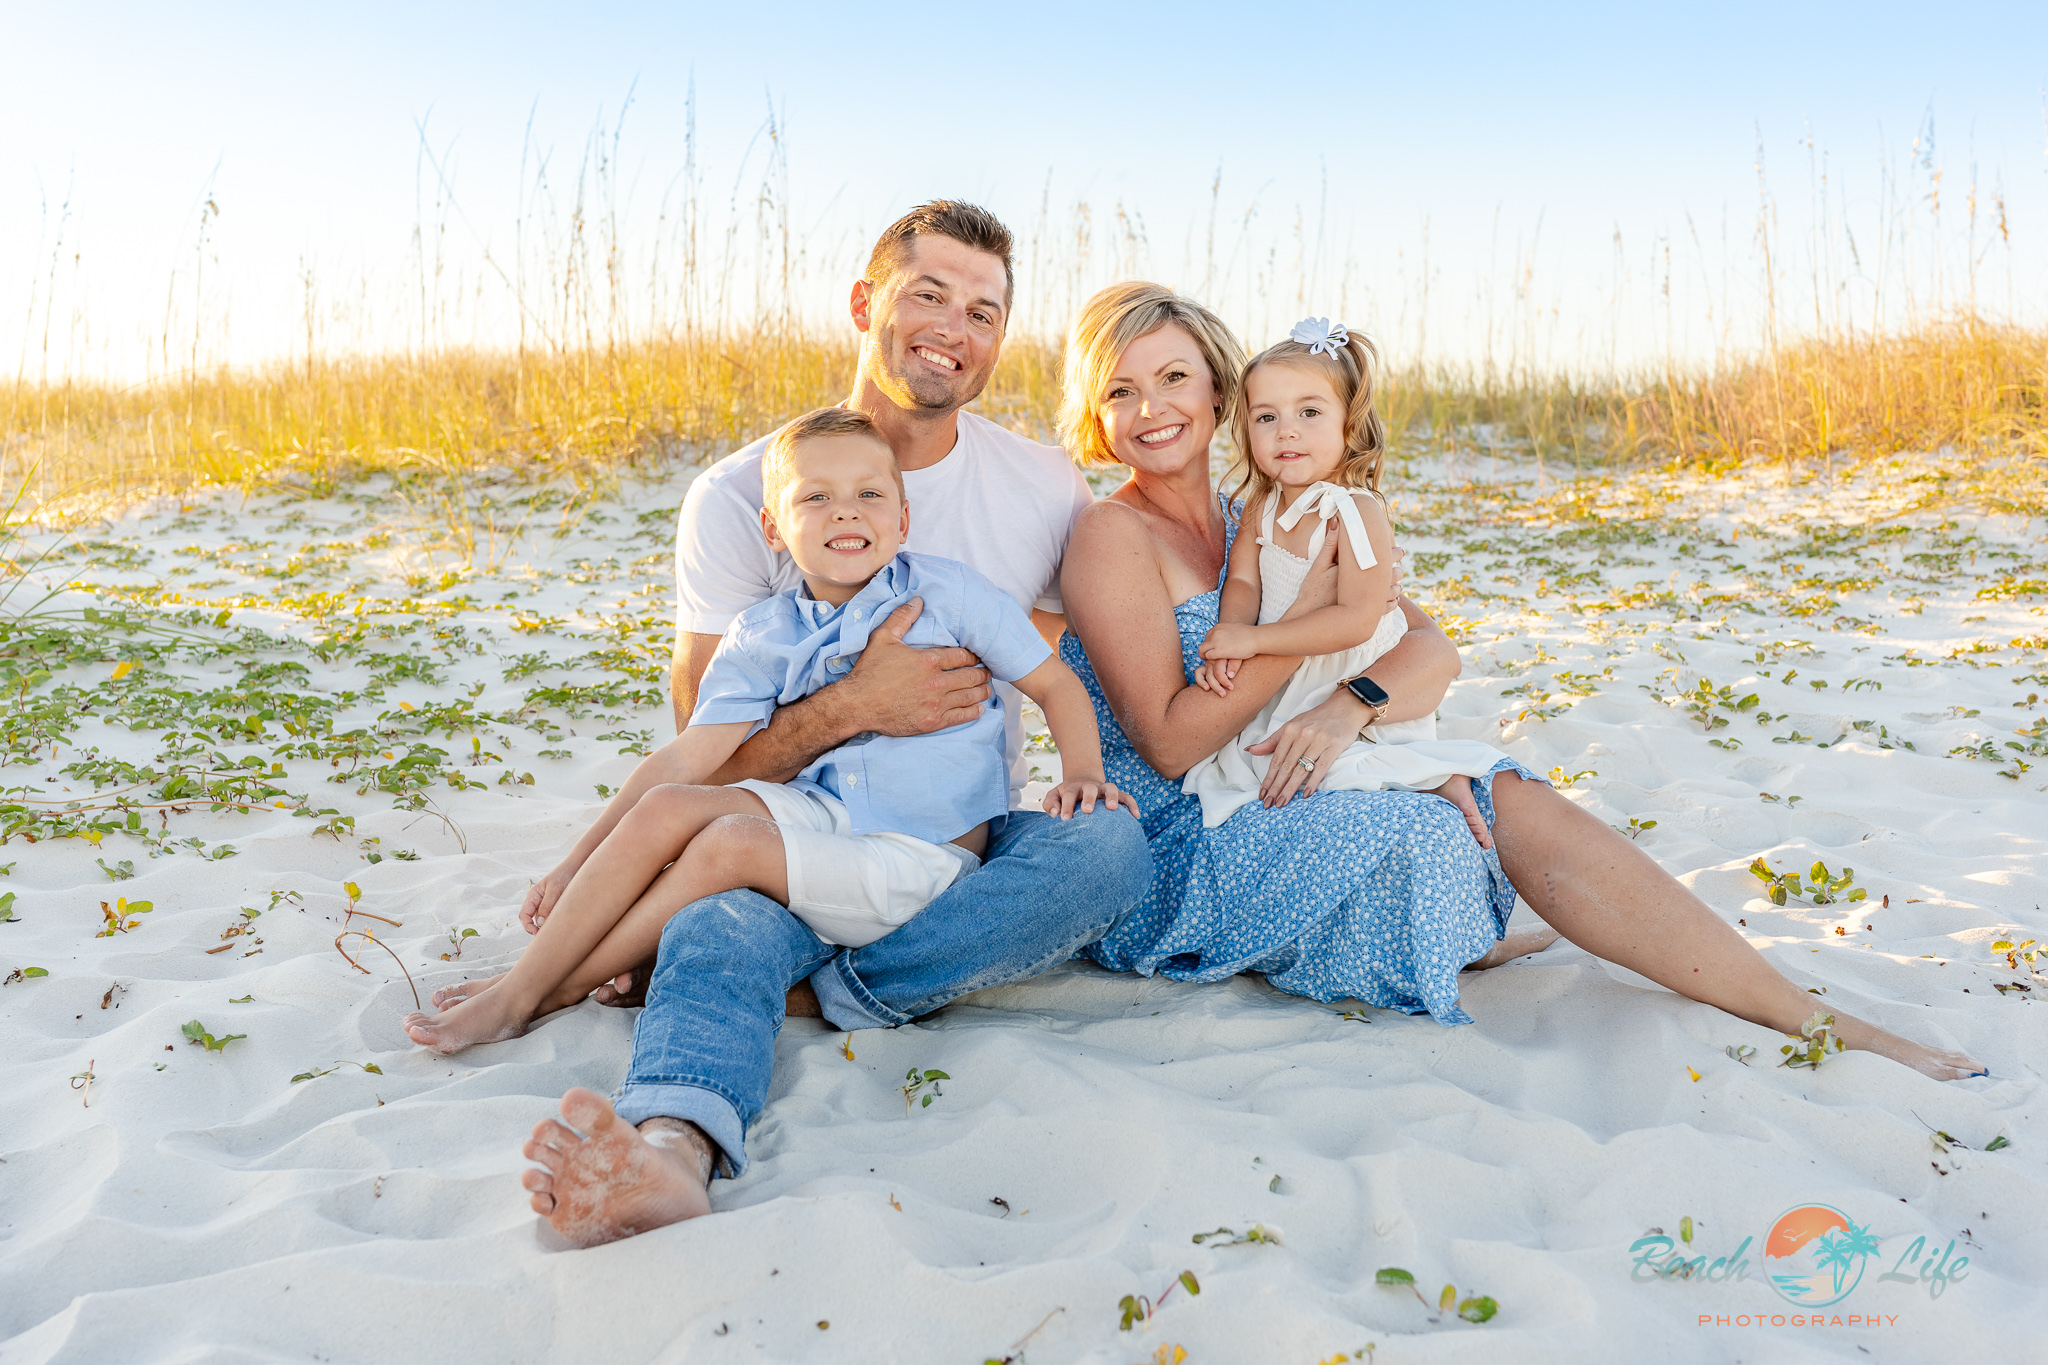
{"x": 1510, "y": 132}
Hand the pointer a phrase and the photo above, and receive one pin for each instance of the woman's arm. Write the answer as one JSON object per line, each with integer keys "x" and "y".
{"x": 1119, "y": 608}
{"x": 1415, "y": 675}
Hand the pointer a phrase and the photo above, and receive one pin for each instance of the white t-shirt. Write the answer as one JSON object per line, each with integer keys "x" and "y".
{"x": 1000, "y": 503}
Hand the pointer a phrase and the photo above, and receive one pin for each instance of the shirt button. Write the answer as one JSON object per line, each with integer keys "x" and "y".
{"x": 853, "y": 780}
{"x": 859, "y": 612}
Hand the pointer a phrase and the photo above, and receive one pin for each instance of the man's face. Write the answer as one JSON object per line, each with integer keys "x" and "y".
{"x": 841, "y": 515}
{"x": 935, "y": 327}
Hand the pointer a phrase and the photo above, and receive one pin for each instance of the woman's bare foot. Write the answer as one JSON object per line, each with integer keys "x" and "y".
{"x": 486, "y": 1017}
{"x": 1519, "y": 943}
{"x": 1928, "y": 1061}
{"x": 601, "y": 1180}
{"x": 1458, "y": 791}
{"x": 462, "y": 990}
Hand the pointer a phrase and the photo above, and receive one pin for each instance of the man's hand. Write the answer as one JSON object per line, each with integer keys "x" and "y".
{"x": 899, "y": 689}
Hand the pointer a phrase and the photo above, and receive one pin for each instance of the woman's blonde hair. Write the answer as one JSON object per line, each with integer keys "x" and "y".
{"x": 1353, "y": 373}
{"x": 1108, "y": 324}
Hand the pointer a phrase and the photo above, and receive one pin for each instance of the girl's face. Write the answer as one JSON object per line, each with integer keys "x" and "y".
{"x": 1297, "y": 424}
{"x": 1158, "y": 410}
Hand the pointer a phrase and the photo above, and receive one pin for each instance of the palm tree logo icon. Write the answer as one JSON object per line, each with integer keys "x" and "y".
{"x": 1815, "y": 1255}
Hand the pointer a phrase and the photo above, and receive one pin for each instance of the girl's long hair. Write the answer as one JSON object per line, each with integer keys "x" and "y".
{"x": 1354, "y": 375}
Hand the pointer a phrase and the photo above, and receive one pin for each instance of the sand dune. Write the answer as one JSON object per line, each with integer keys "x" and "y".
{"x": 204, "y": 1206}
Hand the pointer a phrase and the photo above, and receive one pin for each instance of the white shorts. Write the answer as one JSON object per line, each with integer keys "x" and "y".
{"x": 852, "y": 889}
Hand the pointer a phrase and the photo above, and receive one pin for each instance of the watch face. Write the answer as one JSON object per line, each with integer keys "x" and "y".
{"x": 1369, "y": 692}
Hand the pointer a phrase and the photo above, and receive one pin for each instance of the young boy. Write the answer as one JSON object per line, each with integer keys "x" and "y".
{"x": 866, "y": 836}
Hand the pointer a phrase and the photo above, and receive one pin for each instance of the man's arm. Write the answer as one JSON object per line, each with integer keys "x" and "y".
{"x": 895, "y": 689}
{"x": 686, "y": 673}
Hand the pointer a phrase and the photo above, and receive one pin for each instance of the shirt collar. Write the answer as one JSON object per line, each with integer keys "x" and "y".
{"x": 889, "y": 581}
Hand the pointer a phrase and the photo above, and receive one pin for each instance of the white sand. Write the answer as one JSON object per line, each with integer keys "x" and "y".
{"x": 214, "y": 1210}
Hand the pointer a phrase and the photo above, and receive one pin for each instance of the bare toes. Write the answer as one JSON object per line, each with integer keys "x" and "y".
{"x": 588, "y": 1111}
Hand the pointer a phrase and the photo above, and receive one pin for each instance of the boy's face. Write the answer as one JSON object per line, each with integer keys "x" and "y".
{"x": 841, "y": 515}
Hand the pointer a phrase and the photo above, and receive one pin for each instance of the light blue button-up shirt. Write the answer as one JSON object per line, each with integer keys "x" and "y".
{"x": 934, "y": 787}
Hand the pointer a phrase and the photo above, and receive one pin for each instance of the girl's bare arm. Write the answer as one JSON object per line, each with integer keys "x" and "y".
{"x": 1362, "y": 594}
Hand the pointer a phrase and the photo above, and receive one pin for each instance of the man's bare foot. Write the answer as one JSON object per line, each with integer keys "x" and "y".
{"x": 486, "y": 1017}
{"x": 1519, "y": 943}
{"x": 462, "y": 990}
{"x": 1458, "y": 791}
{"x": 802, "y": 1002}
{"x": 1928, "y": 1061}
{"x": 626, "y": 990}
{"x": 601, "y": 1180}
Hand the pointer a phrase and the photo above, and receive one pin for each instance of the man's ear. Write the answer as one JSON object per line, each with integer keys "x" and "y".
{"x": 772, "y": 533}
{"x": 858, "y": 305}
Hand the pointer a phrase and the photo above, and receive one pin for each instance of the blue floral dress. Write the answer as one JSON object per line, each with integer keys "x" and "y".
{"x": 1379, "y": 896}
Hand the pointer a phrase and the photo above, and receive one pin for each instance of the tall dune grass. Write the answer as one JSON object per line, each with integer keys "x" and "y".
{"x": 704, "y": 349}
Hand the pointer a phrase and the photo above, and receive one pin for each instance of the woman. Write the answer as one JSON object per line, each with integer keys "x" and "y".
{"x": 1380, "y": 896}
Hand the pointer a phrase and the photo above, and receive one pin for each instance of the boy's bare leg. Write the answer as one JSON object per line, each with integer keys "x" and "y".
{"x": 1610, "y": 898}
{"x": 741, "y": 851}
{"x": 662, "y": 827}
{"x": 600, "y": 1179}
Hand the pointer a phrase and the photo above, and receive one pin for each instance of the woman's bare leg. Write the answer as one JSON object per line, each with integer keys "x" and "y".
{"x": 658, "y": 830}
{"x": 1609, "y": 897}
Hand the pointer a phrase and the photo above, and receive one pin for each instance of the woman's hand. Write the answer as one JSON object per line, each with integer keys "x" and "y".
{"x": 541, "y": 898}
{"x": 1317, "y": 735}
{"x": 1084, "y": 792}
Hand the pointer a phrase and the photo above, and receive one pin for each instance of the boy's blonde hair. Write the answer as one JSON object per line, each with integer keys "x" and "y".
{"x": 1105, "y": 329}
{"x": 1353, "y": 373}
{"x": 783, "y": 445}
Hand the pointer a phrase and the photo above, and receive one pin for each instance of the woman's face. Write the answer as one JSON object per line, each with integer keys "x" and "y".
{"x": 1158, "y": 410}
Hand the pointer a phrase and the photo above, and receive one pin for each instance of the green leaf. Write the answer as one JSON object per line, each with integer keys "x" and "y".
{"x": 373, "y": 1068}
{"x": 242, "y": 1000}
{"x": 1189, "y": 1282}
{"x": 1395, "y": 1276}
{"x": 6, "y": 907}
{"x": 33, "y": 971}
{"x": 927, "y": 1101}
{"x": 1478, "y": 1309}
{"x": 1447, "y": 1298}
{"x": 1685, "y": 1229}
{"x": 937, "y": 1076}
{"x": 1996, "y": 1143}
{"x": 1274, "y": 1185}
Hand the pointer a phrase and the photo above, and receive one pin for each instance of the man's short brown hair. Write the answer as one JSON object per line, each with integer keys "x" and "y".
{"x": 775, "y": 462}
{"x": 968, "y": 224}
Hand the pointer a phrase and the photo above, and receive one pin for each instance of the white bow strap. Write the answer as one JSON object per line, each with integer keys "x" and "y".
{"x": 1320, "y": 335}
{"x": 1328, "y": 500}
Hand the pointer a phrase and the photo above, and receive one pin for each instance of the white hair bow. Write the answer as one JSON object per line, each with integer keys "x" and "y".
{"x": 1320, "y": 334}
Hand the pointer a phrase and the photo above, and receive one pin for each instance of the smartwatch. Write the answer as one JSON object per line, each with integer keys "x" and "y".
{"x": 1374, "y": 696}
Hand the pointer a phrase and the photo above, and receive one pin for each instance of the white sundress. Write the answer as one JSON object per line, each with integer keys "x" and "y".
{"x": 1407, "y": 755}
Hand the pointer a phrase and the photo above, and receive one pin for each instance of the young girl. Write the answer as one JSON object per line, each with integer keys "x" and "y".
{"x": 1310, "y": 446}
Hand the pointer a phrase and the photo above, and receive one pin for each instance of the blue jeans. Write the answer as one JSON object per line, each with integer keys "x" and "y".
{"x": 705, "y": 1044}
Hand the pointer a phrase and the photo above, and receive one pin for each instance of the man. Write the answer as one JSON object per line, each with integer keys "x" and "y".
{"x": 931, "y": 307}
